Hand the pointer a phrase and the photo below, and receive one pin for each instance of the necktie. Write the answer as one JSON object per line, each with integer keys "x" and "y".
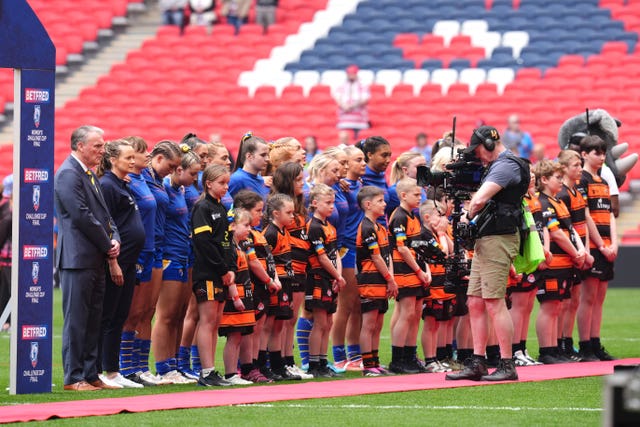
{"x": 93, "y": 181}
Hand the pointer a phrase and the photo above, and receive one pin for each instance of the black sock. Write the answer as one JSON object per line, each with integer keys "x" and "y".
{"x": 428, "y": 360}
{"x": 449, "y": 348}
{"x": 374, "y": 354}
{"x": 245, "y": 368}
{"x": 409, "y": 353}
{"x": 324, "y": 361}
{"x": 314, "y": 362}
{"x": 493, "y": 352}
{"x": 441, "y": 353}
{"x": 275, "y": 357}
{"x": 479, "y": 357}
{"x": 262, "y": 358}
{"x": 585, "y": 346}
{"x": 464, "y": 354}
{"x": 548, "y": 351}
{"x": 523, "y": 345}
{"x": 289, "y": 361}
{"x": 568, "y": 344}
{"x": 561, "y": 344}
{"x": 595, "y": 343}
{"x": 515, "y": 347}
{"x": 227, "y": 376}
{"x": 396, "y": 354}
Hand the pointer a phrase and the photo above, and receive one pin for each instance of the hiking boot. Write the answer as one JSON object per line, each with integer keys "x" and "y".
{"x": 506, "y": 371}
{"x": 474, "y": 369}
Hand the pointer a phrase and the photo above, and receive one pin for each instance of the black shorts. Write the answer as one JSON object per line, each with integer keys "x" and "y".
{"x": 298, "y": 283}
{"x": 528, "y": 283}
{"x": 416, "y": 292}
{"x": 208, "y": 290}
{"x": 369, "y": 304}
{"x": 280, "y": 302}
{"x": 224, "y": 331}
{"x": 319, "y": 294}
{"x": 602, "y": 269}
{"x": 261, "y": 299}
{"x": 439, "y": 309}
{"x": 460, "y": 307}
{"x": 553, "y": 286}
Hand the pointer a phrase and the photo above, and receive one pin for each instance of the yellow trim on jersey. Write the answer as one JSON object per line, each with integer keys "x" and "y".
{"x": 203, "y": 229}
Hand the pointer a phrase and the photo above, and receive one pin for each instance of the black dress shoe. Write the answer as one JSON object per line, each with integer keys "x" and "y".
{"x": 474, "y": 369}
{"x": 506, "y": 371}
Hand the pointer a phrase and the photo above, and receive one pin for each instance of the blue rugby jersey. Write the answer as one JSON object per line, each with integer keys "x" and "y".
{"x": 242, "y": 179}
{"x": 339, "y": 216}
{"x": 156, "y": 186}
{"x": 176, "y": 228}
{"x": 379, "y": 180}
{"x": 354, "y": 215}
{"x": 147, "y": 207}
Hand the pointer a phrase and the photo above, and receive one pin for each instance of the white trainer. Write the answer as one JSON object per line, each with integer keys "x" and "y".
{"x": 177, "y": 378}
{"x": 109, "y": 382}
{"x": 154, "y": 379}
{"x": 520, "y": 359}
{"x": 294, "y": 370}
{"x": 124, "y": 382}
{"x": 237, "y": 380}
{"x": 531, "y": 359}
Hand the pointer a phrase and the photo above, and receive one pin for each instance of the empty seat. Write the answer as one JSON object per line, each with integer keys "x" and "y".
{"x": 444, "y": 77}
{"x": 516, "y": 40}
{"x": 307, "y": 79}
{"x": 472, "y": 77}
{"x": 416, "y": 78}
{"x": 501, "y": 77}
{"x": 388, "y": 78}
{"x": 446, "y": 29}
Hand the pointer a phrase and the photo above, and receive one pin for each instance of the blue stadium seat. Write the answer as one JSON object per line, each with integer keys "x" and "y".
{"x": 459, "y": 64}
{"x": 630, "y": 38}
{"x": 431, "y": 64}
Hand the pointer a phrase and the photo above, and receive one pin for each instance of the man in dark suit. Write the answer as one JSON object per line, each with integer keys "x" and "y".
{"x": 87, "y": 237}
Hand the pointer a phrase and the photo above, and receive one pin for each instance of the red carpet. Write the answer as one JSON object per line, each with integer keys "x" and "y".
{"x": 306, "y": 390}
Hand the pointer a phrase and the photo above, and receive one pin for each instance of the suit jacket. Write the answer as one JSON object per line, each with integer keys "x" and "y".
{"x": 85, "y": 226}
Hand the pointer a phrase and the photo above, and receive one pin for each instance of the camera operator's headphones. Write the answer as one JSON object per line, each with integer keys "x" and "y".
{"x": 488, "y": 143}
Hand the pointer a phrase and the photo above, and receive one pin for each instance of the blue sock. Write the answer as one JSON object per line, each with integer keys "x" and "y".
{"x": 339, "y": 354}
{"x": 353, "y": 352}
{"x": 184, "y": 360}
{"x": 303, "y": 330}
{"x": 126, "y": 353}
{"x": 145, "y": 347}
{"x": 195, "y": 359}
{"x": 173, "y": 363}
{"x": 163, "y": 367}
{"x": 135, "y": 356}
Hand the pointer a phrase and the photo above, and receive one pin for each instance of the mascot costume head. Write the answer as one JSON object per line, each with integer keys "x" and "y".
{"x": 599, "y": 122}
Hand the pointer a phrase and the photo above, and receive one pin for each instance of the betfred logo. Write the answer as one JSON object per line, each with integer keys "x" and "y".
{"x": 34, "y": 332}
{"x": 36, "y": 96}
{"x": 34, "y": 176}
{"x": 35, "y": 252}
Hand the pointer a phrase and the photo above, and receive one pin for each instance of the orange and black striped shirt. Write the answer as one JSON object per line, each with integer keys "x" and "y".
{"x": 323, "y": 239}
{"x": 438, "y": 271}
{"x": 556, "y": 216}
{"x": 372, "y": 239}
{"x": 599, "y": 204}
{"x": 404, "y": 228}
{"x": 261, "y": 251}
{"x": 536, "y": 211}
{"x": 280, "y": 244}
{"x": 299, "y": 245}
{"x": 576, "y": 201}
{"x": 231, "y": 317}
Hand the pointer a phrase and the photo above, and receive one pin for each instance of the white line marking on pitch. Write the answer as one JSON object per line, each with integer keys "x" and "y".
{"x": 404, "y": 407}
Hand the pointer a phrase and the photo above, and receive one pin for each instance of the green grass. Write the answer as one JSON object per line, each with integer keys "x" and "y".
{"x": 562, "y": 402}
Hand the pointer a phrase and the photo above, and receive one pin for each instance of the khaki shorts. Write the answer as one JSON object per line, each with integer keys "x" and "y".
{"x": 492, "y": 258}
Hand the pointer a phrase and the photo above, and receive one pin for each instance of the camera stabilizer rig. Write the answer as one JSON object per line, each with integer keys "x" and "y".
{"x": 461, "y": 178}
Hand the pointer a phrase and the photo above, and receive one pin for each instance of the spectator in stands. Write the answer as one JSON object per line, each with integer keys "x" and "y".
{"x": 311, "y": 147}
{"x": 266, "y": 13}
{"x": 352, "y": 98}
{"x": 515, "y": 139}
{"x": 537, "y": 154}
{"x": 236, "y": 12}
{"x": 6, "y": 207}
{"x": 422, "y": 147}
{"x": 202, "y": 12}
{"x": 173, "y": 12}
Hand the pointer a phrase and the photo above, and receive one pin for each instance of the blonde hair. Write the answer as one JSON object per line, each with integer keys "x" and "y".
{"x": 335, "y": 151}
{"x": 211, "y": 173}
{"x": 429, "y": 206}
{"x": 405, "y": 185}
{"x": 402, "y": 162}
{"x": 566, "y": 156}
{"x": 443, "y": 157}
{"x": 318, "y": 164}
{"x": 319, "y": 190}
{"x": 281, "y": 152}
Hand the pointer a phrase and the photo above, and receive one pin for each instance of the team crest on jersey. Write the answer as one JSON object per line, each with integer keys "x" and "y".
{"x": 531, "y": 278}
{"x": 260, "y": 306}
{"x": 285, "y": 297}
{"x": 328, "y": 292}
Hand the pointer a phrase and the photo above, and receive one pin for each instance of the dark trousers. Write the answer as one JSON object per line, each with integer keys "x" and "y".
{"x": 5, "y": 289}
{"x": 115, "y": 310}
{"x": 82, "y": 299}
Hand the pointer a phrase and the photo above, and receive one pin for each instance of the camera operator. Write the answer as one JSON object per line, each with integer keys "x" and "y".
{"x": 504, "y": 183}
